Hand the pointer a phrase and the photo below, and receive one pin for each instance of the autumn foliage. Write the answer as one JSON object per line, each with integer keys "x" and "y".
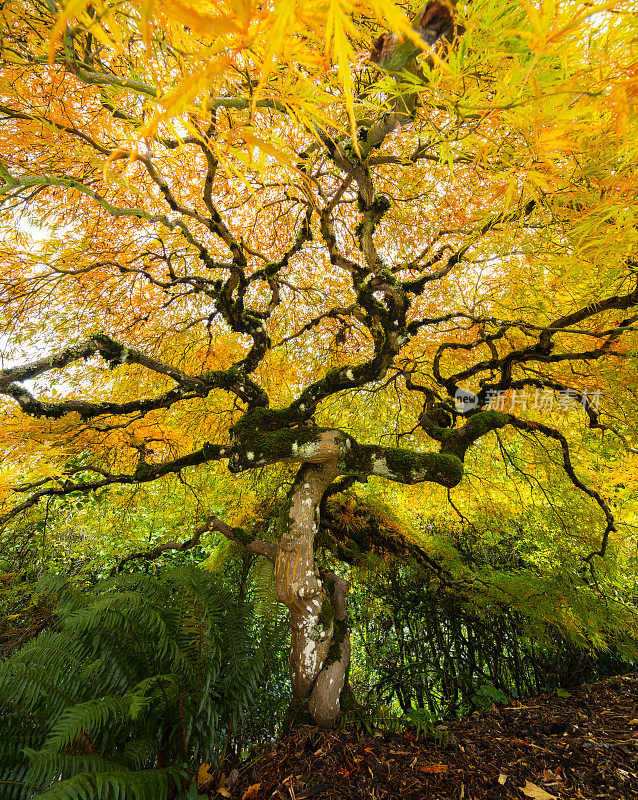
{"x": 243, "y": 239}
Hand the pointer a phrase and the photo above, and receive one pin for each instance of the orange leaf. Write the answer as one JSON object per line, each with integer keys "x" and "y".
{"x": 203, "y": 774}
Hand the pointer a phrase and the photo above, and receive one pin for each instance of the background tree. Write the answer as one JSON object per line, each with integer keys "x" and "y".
{"x": 286, "y": 251}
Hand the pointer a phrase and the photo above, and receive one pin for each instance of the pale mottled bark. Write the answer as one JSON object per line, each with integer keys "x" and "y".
{"x": 324, "y": 701}
{"x": 317, "y": 603}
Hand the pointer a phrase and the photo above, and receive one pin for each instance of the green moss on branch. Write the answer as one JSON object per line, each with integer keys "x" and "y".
{"x": 404, "y": 466}
{"x": 265, "y": 448}
{"x": 340, "y": 631}
{"x": 327, "y": 614}
{"x": 476, "y": 426}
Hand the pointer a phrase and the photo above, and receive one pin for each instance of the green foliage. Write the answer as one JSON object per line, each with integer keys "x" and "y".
{"x": 420, "y": 719}
{"x": 23, "y": 611}
{"x": 443, "y": 645}
{"x": 486, "y": 694}
{"x": 145, "y": 679}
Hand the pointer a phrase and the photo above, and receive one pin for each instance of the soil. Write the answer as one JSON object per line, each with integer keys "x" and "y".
{"x": 584, "y": 745}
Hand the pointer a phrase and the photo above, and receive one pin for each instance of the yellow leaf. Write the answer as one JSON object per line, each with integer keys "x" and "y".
{"x": 199, "y": 19}
{"x": 551, "y": 141}
{"x": 538, "y": 179}
{"x": 534, "y": 791}
{"x": 72, "y": 9}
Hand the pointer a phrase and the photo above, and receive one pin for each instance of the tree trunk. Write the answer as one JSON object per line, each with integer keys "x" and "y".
{"x": 320, "y": 641}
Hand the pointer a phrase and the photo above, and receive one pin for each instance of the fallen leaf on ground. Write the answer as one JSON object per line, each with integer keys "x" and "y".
{"x": 532, "y": 790}
{"x": 251, "y": 792}
{"x": 434, "y": 768}
{"x": 203, "y": 774}
{"x": 502, "y": 778}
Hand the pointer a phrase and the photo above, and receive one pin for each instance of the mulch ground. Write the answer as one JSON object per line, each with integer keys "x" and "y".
{"x": 581, "y": 746}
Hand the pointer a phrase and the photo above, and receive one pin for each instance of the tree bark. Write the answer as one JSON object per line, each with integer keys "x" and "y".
{"x": 317, "y": 601}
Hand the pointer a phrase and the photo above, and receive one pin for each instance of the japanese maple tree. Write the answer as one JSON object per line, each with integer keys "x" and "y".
{"x": 256, "y": 234}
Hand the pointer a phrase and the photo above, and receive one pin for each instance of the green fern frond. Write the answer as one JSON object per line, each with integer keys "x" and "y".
{"x": 264, "y": 587}
{"x": 143, "y": 681}
{"x": 84, "y": 718}
{"x": 52, "y": 766}
{"x": 152, "y": 784}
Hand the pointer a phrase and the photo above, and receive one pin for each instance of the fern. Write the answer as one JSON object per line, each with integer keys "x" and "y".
{"x": 143, "y": 681}
{"x": 139, "y": 785}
